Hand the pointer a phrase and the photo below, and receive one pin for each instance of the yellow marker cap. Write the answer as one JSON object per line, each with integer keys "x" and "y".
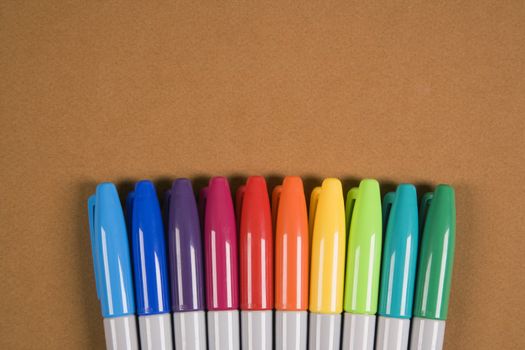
{"x": 328, "y": 249}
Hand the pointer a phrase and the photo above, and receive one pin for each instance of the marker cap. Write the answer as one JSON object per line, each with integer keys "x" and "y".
{"x": 399, "y": 252}
{"x": 109, "y": 243}
{"x": 185, "y": 249}
{"x": 328, "y": 249}
{"x": 220, "y": 244}
{"x": 436, "y": 255}
{"x": 363, "y": 212}
{"x": 149, "y": 250}
{"x": 256, "y": 246}
{"x": 291, "y": 246}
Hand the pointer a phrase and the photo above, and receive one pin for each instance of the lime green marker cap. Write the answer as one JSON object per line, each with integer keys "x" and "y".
{"x": 363, "y": 259}
{"x": 436, "y": 256}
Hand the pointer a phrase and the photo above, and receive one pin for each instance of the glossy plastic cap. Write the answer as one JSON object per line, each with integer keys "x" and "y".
{"x": 220, "y": 247}
{"x": 399, "y": 252}
{"x": 436, "y": 255}
{"x": 328, "y": 249}
{"x": 185, "y": 249}
{"x": 291, "y": 246}
{"x": 109, "y": 243}
{"x": 150, "y": 264}
{"x": 363, "y": 210}
{"x": 255, "y": 246}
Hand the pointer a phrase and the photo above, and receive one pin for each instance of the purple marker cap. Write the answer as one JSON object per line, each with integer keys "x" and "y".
{"x": 185, "y": 249}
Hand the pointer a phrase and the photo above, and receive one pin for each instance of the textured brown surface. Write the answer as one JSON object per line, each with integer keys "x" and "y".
{"x": 102, "y": 91}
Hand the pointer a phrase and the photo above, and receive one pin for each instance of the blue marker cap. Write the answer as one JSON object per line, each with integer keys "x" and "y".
{"x": 149, "y": 250}
{"x": 109, "y": 244}
{"x": 398, "y": 272}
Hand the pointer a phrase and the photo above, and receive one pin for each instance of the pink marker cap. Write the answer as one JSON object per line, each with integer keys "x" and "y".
{"x": 220, "y": 246}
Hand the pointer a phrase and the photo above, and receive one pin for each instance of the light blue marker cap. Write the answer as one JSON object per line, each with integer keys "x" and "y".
{"x": 109, "y": 244}
{"x": 398, "y": 269}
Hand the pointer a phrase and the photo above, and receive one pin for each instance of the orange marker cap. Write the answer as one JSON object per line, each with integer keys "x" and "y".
{"x": 291, "y": 245}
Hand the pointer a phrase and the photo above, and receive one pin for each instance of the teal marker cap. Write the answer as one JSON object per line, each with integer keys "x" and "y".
{"x": 436, "y": 256}
{"x": 398, "y": 269}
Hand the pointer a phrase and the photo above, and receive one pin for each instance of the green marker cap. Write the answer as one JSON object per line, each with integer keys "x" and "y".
{"x": 363, "y": 258}
{"x": 436, "y": 255}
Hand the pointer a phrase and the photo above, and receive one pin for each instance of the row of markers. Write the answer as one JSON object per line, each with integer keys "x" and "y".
{"x": 332, "y": 267}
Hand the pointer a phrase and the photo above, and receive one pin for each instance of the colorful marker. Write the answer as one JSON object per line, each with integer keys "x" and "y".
{"x": 150, "y": 268}
{"x": 256, "y": 264}
{"x": 363, "y": 217}
{"x": 220, "y": 248}
{"x": 186, "y": 268}
{"x": 327, "y": 267}
{"x": 436, "y": 258}
{"x": 400, "y": 220}
{"x": 291, "y": 264}
{"x": 109, "y": 243}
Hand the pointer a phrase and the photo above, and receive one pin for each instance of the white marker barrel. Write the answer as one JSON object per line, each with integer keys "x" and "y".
{"x": 359, "y": 331}
{"x": 291, "y": 330}
{"x": 189, "y": 330}
{"x": 256, "y": 327}
{"x": 392, "y": 333}
{"x": 155, "y": 332}
{"x": 121, "y": 333}
{"x": 427, "y": 334}
{"x": 223, "y": 330}
{"x": 325, "y": 331}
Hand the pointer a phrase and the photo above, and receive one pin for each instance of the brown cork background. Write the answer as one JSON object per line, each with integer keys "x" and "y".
{"x": 421, "y": 92}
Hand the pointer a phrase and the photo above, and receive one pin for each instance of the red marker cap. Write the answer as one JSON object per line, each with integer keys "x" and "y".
{"x": 256, "y": 245}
